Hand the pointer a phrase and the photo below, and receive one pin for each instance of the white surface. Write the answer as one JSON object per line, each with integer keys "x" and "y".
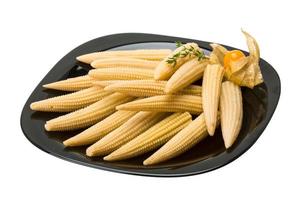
{"x": 36, "y": 34}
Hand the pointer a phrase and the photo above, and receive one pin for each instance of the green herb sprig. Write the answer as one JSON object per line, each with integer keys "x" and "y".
{"x": 184, "y": 52}
{"x": 178, "y": 44}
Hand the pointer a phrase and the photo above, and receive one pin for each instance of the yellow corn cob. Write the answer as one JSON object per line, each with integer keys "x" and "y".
{"x": 124, "y": 62}
{"x": 166, "y": 103}
{"x": 145, "y": 88}
{"x": 72, "y": 101}
{"x": 211, "y": 87}
{"x": 231, "y": 107}
{"x": 165, "y": 69}
{"x": 71, "y": 84}
{"x": 106, "y": 83}
{"x": 147, "y": 54}
{"x": 87, "y": 116}
{"x": 121, "y": 73}
{"x": 188, "y": 73}
{"x": 99, "y": 130}
{"x": 181, "y": 142}
{"x": 126, "y": 132}
{"x": 152, "y": 138}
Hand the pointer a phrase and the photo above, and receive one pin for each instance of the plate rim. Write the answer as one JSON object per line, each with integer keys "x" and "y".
{"x": 119, "y": 39}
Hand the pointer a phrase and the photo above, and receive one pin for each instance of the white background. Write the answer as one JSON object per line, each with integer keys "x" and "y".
{"x": 34, "y": 35}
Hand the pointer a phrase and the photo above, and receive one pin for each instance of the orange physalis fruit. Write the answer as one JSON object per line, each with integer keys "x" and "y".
{"x": 232, "y": 56}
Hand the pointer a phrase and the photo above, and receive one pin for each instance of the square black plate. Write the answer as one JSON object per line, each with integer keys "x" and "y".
{"x": 259, "y": 106}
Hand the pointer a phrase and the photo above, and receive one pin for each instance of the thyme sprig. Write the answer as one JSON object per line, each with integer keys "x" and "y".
{"x": 186, "y": 51}
{"x": 178, "y": 44}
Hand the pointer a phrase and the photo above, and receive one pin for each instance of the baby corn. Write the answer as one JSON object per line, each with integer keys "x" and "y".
{"x": 231, "y": 107}
{"x": 146, "y": 88}
{"x": 124, "y": 62}
{"x": 181, "y": 142}
{"x": 71, "y": 84}
{"x": 99, "y": 130}
{"x": 121, "y": 73}
{"x": 147, "y": 54}
{"x": 126, "y": 132}
{"x": 188, "y": 73}
{"x": 174, "y": 60}
{"x": 211, "y": 87}
{"x": 166, "y": 103}
{"x": 87, "y": 116}
{"x": 152, "y": 138}
{"x": 72, "y": 101}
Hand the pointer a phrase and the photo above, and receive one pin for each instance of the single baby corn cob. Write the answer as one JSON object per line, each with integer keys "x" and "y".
{"x": 181, "y": 142}
{"x": 121, "y": 73}
{"x": 170, "y": 64}
{"x": 99, "y": 130}
{"x": 152, "y": 138}
{"x": 124, "y": 62}
{"x": 147, "y": 54}
{"x": 146, "y": 88}
{"x": 188, "y": 73}
{"x": 166, "y": 103}
{"x": 231, "y": 107}
{"x": 87, "y": 116}
{"x": 211, "y": 87}
{"x": 71, "y": 84}
{"x": 126, "y": 132}
{"x": 72, "y": 101}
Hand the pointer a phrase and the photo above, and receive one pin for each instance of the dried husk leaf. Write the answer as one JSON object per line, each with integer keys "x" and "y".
{"x": 244, "y": 72}
{"x": 217, "y": 54}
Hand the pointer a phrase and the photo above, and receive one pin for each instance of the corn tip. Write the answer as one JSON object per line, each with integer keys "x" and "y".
{"x": 93, "y": 64}
{"x": 157, "y": 74}
{"x": 227, "y": 144}
{"x": 228, "y": 141}
{"x": 78, "y": 58}
{"x": 108, "y": 158}
{"x": 33, "y": 106}
{"x": 47, "y": 127}
{"x": 159, "y": 77}
{"x": 149, "y": 161}
{"x": 90, "y": 152}
{"x": 211, "y": 127}
{"x": 210, "y": 131}
{"x": 48, "y": 86}
{"x": 146, "y": 162}
{"x": 92, "y": 72}
{"x": 68, "y": 142}
{"x": 120, "y": 107}
{"x": 83, "y": 58}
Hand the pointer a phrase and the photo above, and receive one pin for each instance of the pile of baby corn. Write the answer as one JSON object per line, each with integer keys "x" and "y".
{"x": 140, "y": 101}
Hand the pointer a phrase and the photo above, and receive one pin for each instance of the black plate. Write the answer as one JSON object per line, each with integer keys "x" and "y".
{"x": 259, "y": 106}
